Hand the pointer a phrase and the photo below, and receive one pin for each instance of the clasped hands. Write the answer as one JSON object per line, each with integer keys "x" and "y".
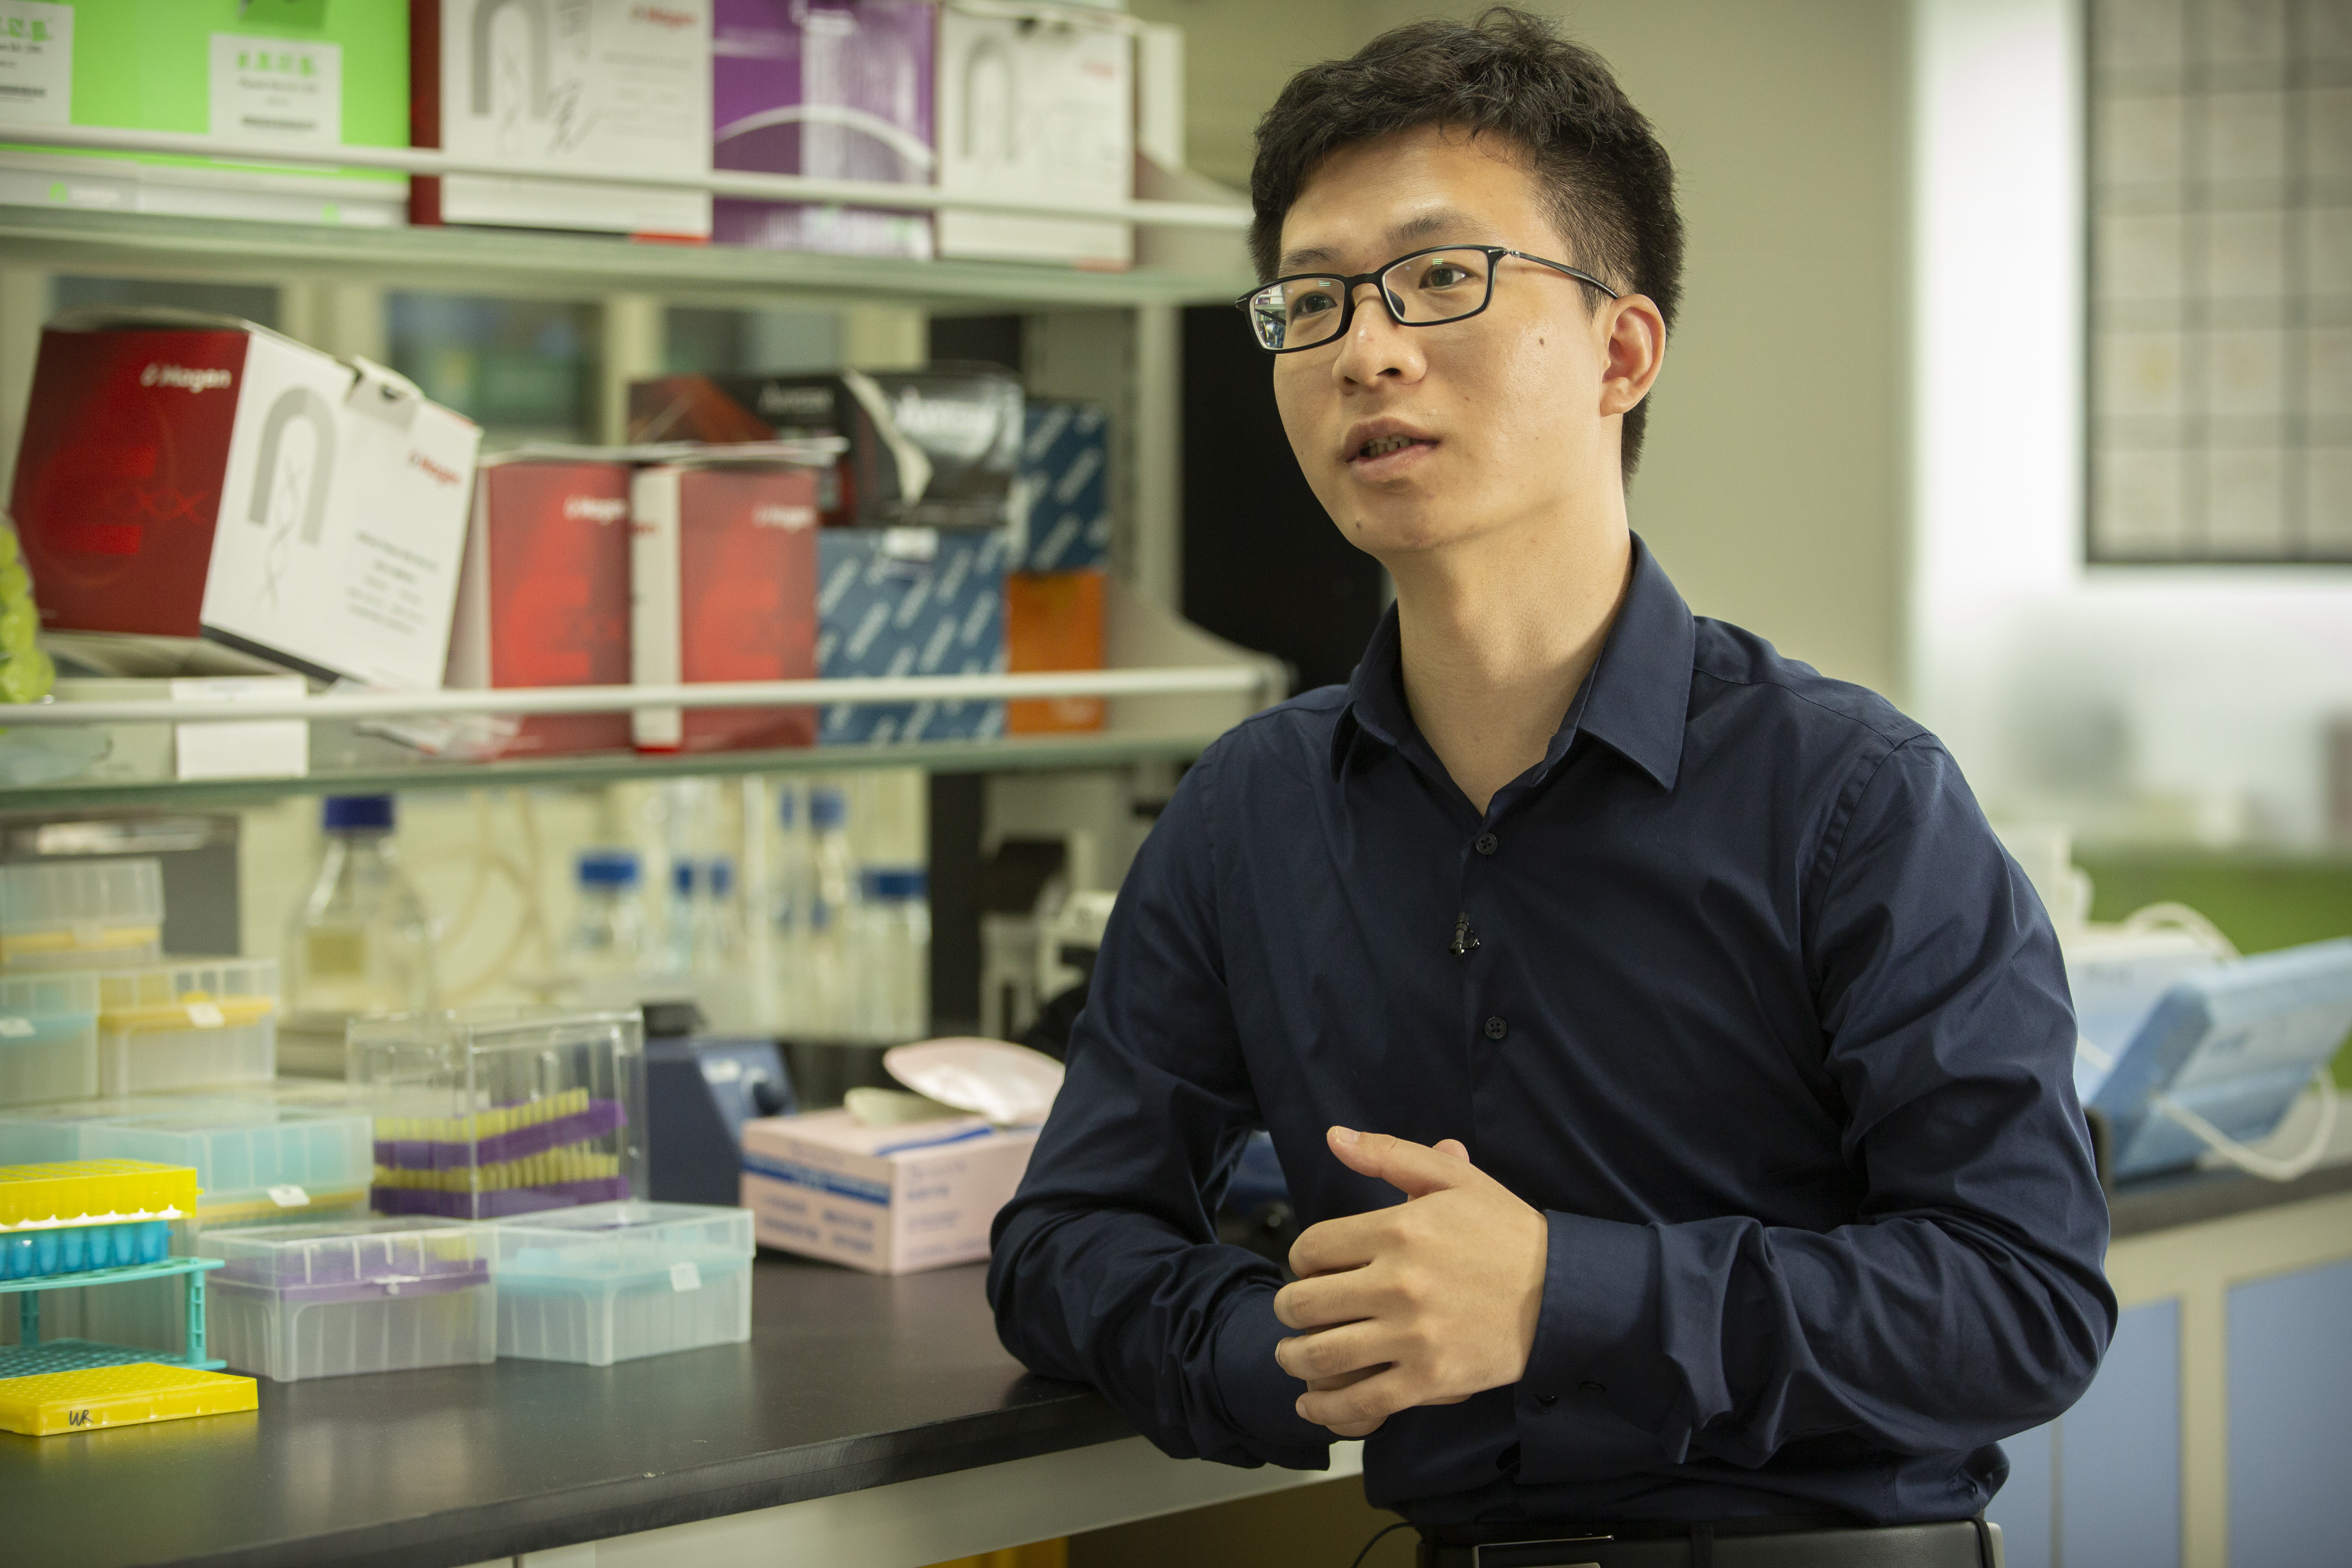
{"x": 1426, "y": 1302}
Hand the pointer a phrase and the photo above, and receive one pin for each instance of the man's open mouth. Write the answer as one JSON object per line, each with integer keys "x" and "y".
{"x": 1387, "y": 444}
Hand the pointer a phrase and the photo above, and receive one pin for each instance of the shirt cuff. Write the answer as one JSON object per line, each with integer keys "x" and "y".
{"x": 1597, "y": 1336}
{"x": 1261, "y": 1399}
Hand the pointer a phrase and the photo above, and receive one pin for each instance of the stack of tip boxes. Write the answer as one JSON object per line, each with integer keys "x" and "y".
{"x": 90, "y": 1006}
{"x": 511, "y": 1140}
{"x": 256, "y": 1161}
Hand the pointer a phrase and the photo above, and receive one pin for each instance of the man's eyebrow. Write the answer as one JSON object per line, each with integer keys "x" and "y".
{"x": 1443, "y": 222}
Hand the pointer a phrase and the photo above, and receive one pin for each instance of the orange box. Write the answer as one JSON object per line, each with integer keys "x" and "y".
{"x": 1053, "y": 620}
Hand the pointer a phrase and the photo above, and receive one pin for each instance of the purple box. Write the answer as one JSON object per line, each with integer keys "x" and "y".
{"x": 838, "y": 89}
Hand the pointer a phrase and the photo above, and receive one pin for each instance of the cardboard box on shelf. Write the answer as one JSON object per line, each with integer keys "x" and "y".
{"x": 910, "y": 601}
{"x": 934, "y": 447}
{"x": 723, "y": 586}
{"x": 544, "y": 597}
{"x": 614, "y": 87}
{"x": 1037, "y": 105}
{"x": 1053, "y": 620}
{"x": 890, "y": 1200}
{"x": 312, "y": 75}
{"x": 184, "y": 475}
{"x": 837, "y": 90}
{"x": 1060, "y": 499}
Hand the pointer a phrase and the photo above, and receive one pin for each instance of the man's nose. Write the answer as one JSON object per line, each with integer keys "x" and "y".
{"x": 1376, "y": 345}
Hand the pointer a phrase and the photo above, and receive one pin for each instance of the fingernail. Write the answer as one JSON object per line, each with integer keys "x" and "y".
{"x": 1347, "y": 1134}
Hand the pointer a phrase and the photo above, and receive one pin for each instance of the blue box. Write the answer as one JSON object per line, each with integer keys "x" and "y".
{"x": 1059, "y": 490}
{"x": 910, "y": 601}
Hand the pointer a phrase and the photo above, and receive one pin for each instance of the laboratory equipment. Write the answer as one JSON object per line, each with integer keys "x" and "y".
{"x": 137, "y": 1392}
{"x": 501, "y": 1110}
{"x": 790, "y": 890}
{"x": 48, "y": 1037}
{"x": 618, "y": 1281}
{"x": 80, "y": 914}
{"x": 353, "y": 1296}
{"x": 829, "y": 1009}
{"x": 359, "y": 942}
{"x": 699, "y": 1092}
{"x": 188, "y": 1023}
{"x": 2223, "y": 1059}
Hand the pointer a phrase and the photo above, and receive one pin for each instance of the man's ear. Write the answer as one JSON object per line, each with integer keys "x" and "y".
{"x": 1637, "y": 351}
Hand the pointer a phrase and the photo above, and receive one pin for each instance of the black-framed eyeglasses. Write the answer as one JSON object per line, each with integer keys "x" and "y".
{"x": 1426, "y": 288}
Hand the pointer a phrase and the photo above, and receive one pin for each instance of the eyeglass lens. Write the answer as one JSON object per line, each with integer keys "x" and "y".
{"x": 1422, "y": 291}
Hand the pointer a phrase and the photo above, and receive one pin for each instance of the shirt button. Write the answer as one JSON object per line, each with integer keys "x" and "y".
{"x": 1547, "y": 1400}
{"x": 1486, "y": 844}
{"x": 1497, "y": 1028}
{"x": 1591, "y": 1390}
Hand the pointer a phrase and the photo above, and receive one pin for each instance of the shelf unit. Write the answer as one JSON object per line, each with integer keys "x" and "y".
{"x": 1109, "y": 335}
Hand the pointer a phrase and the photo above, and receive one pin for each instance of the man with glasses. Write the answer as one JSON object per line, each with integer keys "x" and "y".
{"x": 1674, "y": 1070}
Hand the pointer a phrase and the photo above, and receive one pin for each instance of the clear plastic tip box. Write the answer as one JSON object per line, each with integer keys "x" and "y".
{"x": 610, "y": 1282}
{"x": 503, "y": 1112}
{"x": 190, "y": 1023}
{"x": 49, "y": 1038}
{"x": 80, "y": 914}
{"x": 371, "y": 1294}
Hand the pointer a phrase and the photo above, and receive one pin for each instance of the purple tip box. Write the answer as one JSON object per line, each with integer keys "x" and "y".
{"x": 835, "y": 89}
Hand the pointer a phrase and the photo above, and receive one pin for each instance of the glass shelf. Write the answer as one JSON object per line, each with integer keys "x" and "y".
{"x": 1022, "y": 753}
{"x": 583, "y": 266}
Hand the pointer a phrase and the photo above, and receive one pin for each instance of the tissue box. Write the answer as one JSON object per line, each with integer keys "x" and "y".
{"x": 614, "y": 87}
{"x": 890, "y": 1200}
{"x": 935, "y": 447}
{"x": 309, "y": 75}
{"x": 832, "y": 90}
{"x": 723, "y": 568}
{"x": 544, "y": 597}
{"x": 910, "y": 601}
{"x": 184, "y": 475}
{"x": 1038, "y": 108}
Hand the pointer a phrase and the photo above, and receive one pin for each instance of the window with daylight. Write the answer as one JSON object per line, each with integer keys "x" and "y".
{"x": 2221, "y": 280}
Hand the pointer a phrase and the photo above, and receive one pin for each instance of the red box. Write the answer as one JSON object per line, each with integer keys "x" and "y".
{"x": 723, "y": 587}
{"x": 1054, "y": 621}
{"x": 544, "y": 600}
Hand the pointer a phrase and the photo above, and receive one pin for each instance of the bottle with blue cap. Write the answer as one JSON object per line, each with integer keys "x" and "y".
{"x": 829, "y": 1000}
{"x": 790, "y": 890}
{"x": 359, "y": 942}
{"x": 608, "y": 939}
{"x": 893, "y": 953}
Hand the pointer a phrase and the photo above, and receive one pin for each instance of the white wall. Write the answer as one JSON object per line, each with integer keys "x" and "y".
{"x": 2135, "y": 701}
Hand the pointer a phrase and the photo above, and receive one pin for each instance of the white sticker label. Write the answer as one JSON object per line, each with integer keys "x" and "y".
{"x": 14, "y": 1028}
{"x": 280, "y": 90}
{"x": 684, "y": 1277}
{"x": 290, "y": 1197}
{"x": 206, "y": 1015}
{"x": 35, "y": 63}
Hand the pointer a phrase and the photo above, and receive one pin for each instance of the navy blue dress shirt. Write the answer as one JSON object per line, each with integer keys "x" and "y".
{"x": 1736, "y": 984}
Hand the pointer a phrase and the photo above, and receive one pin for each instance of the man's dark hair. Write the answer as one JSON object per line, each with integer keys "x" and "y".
{"x": 1611, "y": 185}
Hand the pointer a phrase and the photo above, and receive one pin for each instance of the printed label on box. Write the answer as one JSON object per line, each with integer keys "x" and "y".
{"x": 684, "y": 1276}
{"x": 35, "y": 63}
{"x": 287, "y": 89}
{"x": 290, "y": 1197}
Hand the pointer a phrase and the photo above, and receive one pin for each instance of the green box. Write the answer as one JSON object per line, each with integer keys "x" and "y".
{"x": 309, "y": 73}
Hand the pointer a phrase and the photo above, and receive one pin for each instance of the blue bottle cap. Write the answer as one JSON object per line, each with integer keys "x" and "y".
{"x": 894, "y": 884}
{"x": 783, "y": 808}
{"x": 356, "y": 812}
{"x": 827, "y": 809}
{"x": 721, "y": 873}
{"x": 681, "y": 878}
{"x": 608, "y": 869}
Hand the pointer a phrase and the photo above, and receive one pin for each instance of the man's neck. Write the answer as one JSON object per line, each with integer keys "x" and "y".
{"x": 1497, "y": 634}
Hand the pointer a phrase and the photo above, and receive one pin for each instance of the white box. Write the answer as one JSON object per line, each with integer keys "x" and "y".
{"x": 890, "y": 1200}
{"x": 608, "y": 86}
{"x": 618, "y": 1281}
{"x": 349, "y": 492}
{"x": 1037, "y": 108}
{"x": 259, "y": 748}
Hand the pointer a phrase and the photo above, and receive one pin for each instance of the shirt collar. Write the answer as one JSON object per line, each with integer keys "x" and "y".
{"x": 1635, "y": 702}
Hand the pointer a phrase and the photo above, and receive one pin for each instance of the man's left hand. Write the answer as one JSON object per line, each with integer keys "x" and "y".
{"x": 1427, "y": 1302}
